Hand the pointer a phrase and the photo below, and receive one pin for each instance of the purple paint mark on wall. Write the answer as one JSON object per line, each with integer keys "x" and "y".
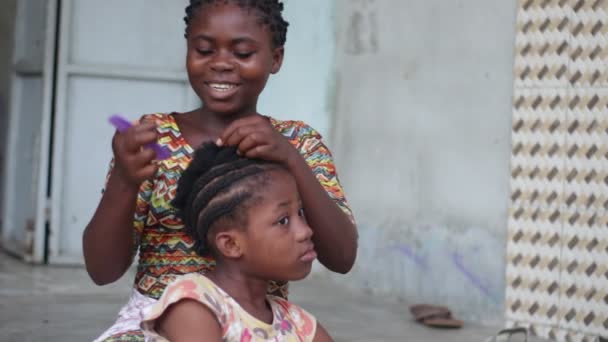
{"x": 417, "y": 259}
{"x": 478, "y": 283}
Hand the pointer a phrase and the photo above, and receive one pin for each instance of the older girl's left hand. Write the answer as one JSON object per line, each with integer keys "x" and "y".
{"x": 255, "y": 137}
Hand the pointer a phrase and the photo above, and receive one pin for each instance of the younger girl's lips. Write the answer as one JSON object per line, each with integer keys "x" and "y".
{"x": 309, "y": 256}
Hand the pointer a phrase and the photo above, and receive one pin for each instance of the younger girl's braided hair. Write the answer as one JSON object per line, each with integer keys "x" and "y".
{"x": 218, "y": 186}
{"x": 269, "y": 14}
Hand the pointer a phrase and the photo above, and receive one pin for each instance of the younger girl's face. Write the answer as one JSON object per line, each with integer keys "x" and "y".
{"x": 277, "y": 243}
{"x": 230, "y": 56}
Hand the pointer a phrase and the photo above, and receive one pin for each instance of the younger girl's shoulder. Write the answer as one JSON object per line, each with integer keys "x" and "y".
{"x": 192, "y": 285}
{"x": 183, "y": 296}
{"x": 304, "y": 323}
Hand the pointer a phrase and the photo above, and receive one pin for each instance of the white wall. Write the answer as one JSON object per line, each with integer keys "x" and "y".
{"x": 422, "y": 140}
{"x": 302, "y": 90}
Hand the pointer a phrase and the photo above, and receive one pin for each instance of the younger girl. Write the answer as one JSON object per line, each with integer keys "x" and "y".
{"x": 248, "y": 216}
{"x": 233, "y": 46}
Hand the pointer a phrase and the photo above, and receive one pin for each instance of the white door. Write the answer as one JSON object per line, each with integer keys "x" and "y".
{"x": 115, "y": 56}
{"x": 24, "y": 215}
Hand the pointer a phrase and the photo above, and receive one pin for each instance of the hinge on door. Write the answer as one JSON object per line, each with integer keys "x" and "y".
{"x": 47, "y": 229}
{"x": 47, "y": 211}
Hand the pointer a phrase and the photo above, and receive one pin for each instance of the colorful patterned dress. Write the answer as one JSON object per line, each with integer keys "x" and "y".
{"x": 165, "y": 249}
{"x": 290, "y": 323}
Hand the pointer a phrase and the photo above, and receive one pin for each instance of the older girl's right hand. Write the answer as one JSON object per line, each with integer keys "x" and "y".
{"x": 133, "y": 162}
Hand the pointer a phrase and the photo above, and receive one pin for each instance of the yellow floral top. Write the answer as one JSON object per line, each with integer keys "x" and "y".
{"x": 290, "y": 322}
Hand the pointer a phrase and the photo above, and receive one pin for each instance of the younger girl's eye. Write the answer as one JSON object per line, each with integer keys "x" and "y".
{"x": 284, "y": 221}
{"x": 301, "y": 212}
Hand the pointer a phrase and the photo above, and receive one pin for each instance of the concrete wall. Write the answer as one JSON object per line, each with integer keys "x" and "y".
{"x": 422, "y": 141}
{"x": 302, "y": 89}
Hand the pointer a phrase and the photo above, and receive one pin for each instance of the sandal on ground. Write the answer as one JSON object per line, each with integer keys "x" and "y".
{"x": 435, "y": 316}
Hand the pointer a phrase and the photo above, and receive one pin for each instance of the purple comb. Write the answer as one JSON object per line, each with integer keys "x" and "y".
{"x": 123, "y": 124}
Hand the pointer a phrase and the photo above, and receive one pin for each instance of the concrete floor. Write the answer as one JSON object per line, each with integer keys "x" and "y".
{"x": 41, "y": 303}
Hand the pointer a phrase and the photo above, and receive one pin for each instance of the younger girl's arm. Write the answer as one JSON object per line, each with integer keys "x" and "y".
{"x": 189, "y": 321}
{"x": 321, "y": 335}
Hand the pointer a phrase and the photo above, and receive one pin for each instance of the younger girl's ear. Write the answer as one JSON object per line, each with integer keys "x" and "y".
{"x": 277, "y": 59}
{"x": 229, "y": 244}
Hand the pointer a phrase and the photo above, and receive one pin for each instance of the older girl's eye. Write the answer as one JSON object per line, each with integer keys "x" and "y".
{"x": 301, "y": 212}
{"x": 204, "y": 52}
{"x": 284, "y": 221}
{"x": 243, "y": 55}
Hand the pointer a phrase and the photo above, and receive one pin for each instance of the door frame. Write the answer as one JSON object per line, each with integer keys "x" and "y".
{"x": 34, "y": 248}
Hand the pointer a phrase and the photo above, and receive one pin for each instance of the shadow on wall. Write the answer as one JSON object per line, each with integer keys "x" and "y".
{"x": 460, "y": 268}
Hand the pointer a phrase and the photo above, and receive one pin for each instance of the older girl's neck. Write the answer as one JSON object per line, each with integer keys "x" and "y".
{"x": 222, "y": 120}
{"x": 200, "y": 126}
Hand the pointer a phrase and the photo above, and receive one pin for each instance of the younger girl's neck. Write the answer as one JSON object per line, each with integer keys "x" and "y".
{"x": 239, "y": 285}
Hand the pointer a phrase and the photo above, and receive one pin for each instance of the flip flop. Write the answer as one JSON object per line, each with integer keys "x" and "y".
{"x": 435, "y": 316}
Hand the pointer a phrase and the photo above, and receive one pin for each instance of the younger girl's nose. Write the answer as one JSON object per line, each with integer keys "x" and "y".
{"x": 303, "y": 232}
